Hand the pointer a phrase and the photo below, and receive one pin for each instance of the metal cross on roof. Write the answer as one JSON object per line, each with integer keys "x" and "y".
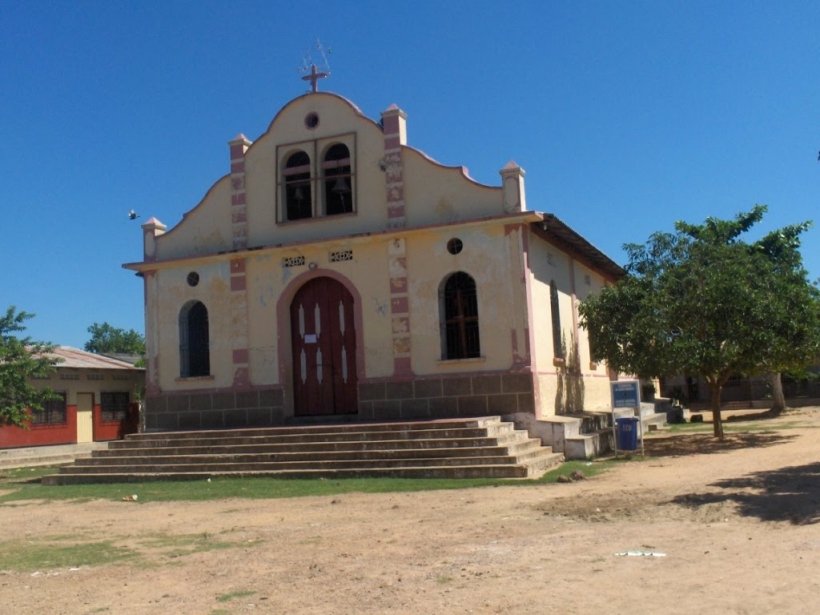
{"x": 314, "y": 77}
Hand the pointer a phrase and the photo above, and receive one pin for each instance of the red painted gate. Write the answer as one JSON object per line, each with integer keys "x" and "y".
{"x": 324, "y": 349}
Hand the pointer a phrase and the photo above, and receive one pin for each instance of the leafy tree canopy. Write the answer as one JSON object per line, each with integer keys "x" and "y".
{"x": 106, "y": 339}
{"x": 20, "y": 361}
{"x": 701, "y": 301}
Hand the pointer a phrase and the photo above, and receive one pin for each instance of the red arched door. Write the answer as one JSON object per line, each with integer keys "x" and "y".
{"x": 324, "y": 349}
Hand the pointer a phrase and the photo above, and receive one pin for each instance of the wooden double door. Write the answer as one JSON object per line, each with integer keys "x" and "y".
{"x": 324, "y": 349}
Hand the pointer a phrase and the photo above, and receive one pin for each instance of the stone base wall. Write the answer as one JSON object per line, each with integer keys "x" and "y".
{"x": 214, "y": 410}
{"x": 446, "y": 396}
{"x": 385, "y": 399}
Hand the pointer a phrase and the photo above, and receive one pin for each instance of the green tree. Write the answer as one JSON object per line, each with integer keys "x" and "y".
{"x": 106, "y": 339}
{"x": 701, "y": 301}
{"x": 21, "y": 360}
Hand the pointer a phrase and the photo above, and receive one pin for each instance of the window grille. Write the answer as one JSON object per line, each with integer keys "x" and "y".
{"x": 293, "y": 261}
{"x": 114, "y": 406}
{"x": 460, "y": 307}
{"x": 194, "y": 343}
{"x": 341, "y": 255}
{"x": 66, "y": 376}
{"x": 53, "y": 412}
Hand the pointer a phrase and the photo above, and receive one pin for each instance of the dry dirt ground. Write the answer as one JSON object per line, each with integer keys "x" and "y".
{"x": 737, "y": 524}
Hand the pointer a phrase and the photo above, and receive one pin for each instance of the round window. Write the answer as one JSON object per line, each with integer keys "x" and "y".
{"x": 193, "y": 278}
{"x": 454, "y": 246}
{"x": 311, "y": 120}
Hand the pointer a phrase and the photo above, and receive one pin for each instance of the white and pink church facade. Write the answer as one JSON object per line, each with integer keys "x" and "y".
{"x": 337, "y": 273}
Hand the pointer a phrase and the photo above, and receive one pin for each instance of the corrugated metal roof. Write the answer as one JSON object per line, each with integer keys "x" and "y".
{"x": 73, "y": 357}
{"x": 559, "y": 233}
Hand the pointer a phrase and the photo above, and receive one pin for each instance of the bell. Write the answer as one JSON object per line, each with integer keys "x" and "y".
{"x": 340, "y": 187}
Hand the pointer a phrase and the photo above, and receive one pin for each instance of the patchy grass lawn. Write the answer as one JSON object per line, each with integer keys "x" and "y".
{"x": 19, "y": 486}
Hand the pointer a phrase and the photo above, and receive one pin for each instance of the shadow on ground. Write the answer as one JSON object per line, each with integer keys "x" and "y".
{"x": 707, "y": 444}
{"x": 789, "y": 494}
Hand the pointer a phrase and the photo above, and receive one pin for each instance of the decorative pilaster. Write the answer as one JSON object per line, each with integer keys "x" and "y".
{"x": 151, "y": 290}
{"x": 399, "y": 307}
{"x": 150, "y": 231}
{"x": 512, "y": 181}
{"x": 239, "y": 214}
{"x": 395, "y": 136}
{"x": 239, "y": 323}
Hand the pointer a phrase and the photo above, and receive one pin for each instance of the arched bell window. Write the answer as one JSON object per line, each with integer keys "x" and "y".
{"x": 194, "y": 341}
{"x": 458, "y": 301}
{"x": 338, "y": 185}
{"x": 298, "y": 195}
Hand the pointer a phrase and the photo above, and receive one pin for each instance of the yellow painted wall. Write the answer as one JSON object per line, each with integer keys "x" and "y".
{"x": 439, "y": 195}
{"x": 206, "y": 229}
{"x": 552, "y": 388}
{"x": 501, "y": 300}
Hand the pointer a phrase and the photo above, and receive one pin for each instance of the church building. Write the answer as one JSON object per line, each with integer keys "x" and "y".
{"x": 337, "y": 273}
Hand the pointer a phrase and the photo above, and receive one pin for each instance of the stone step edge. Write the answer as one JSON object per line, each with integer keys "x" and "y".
{"x": 472, "y": 422}
{"x": 510, "y": 471}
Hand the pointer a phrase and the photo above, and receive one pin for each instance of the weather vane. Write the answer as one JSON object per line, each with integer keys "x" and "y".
{"x": 315, "y": 64}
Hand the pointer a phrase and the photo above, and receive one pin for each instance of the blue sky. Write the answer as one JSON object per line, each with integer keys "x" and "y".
{"x": 625, "y": 115}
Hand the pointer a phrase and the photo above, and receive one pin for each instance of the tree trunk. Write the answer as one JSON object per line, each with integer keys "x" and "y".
{"x": 715, "y": 389}
{"x": 778, "y": 399}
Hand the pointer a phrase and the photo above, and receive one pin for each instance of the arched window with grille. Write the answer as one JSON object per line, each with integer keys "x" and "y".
{"x": 337, "y": 180}
{"x": 297, "y": 187}
{"x": 555, "y": 313}
{"x": 459, "y": 317}
{"x": 194, "y": 341}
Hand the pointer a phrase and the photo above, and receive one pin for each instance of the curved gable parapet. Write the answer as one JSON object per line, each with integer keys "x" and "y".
{"x": 436, "y": 194}
{"x": 453, "y": 167}
{"x": 319, "y": 98}
{"x": 204, "y": 229}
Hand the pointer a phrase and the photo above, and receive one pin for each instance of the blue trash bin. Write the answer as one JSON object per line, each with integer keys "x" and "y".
{"x": 627, "y": 433}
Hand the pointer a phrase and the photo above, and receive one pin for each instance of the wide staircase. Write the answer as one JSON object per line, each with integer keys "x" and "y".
{"x": 482, "y": 447}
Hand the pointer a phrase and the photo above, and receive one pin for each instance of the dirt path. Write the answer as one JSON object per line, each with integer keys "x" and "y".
{"x": 737, "y": 525}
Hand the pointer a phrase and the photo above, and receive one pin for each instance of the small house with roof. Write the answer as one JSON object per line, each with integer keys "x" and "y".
{"x": 97, "y": 400}
{"x": 337, "y": 273}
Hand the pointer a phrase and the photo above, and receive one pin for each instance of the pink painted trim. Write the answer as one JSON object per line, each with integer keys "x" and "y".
{"x": 283, "y": 328}
{"x": 399, "y": 305}
{"x": 392, "y": 142}
{"x": 391, "y": 123}
{"x": 532, "y": 358}
{"x": 241, "y": 356}
{"x": 237, "y": 265}
{"x": 239, "y": 216}
{"x": 238, "y": 167}
{"x": 238, "y": 199}
{"x": 402, "y": 367}
{"x": 395, "y": 212}
{"x": 395, "y": 194}
{"x": 241, "y": 377}
{"x": 238, "y": 283}
{"x": 237, "y": 151}
{"x": 527, "y": 341}
{"x": 398, "y": 285}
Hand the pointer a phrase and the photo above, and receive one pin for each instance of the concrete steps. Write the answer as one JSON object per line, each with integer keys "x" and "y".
{"x": 460, "y": 448}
